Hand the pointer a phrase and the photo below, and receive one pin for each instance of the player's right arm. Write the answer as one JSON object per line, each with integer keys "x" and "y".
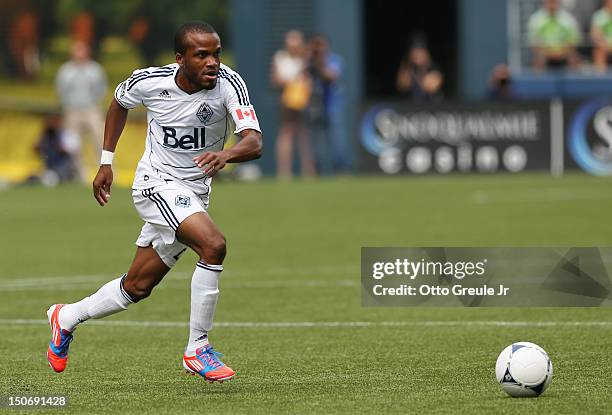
{"x": 127, "y": 96}
{"x": 116, "y": 118}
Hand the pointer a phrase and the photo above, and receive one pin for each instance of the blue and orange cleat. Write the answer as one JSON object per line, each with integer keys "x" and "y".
{"x": 57, "y": 353}
{"x": 206, "y": 363}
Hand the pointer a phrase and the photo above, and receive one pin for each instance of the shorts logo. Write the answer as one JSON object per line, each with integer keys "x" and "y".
{"x": 183, "y": 201}
{"x": 122, "y": 90}
{"x": 204, "y": 113}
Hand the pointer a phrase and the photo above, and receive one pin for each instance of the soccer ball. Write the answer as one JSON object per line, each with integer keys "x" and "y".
{"x": 524, "y": 369}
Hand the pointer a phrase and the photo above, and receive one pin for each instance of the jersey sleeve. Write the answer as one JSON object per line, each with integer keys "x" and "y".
{"x": 238, "y": 103}
{"x": 128, "y": 93}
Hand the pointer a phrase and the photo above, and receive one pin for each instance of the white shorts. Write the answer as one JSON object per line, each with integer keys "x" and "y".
{"x": 163, "y": 208}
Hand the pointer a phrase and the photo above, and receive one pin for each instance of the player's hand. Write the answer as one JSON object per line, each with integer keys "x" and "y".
{"x": 102, "y": 184}
{"x": 210, "y": 162}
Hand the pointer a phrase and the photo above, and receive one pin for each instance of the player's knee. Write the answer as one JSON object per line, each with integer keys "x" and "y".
{"x": 215, "y": 250}
{"x": 138, "y": 289}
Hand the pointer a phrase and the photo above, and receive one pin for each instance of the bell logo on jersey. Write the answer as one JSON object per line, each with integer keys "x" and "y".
{"x": 194, "y": 141}
{"x": 246, "y": 112}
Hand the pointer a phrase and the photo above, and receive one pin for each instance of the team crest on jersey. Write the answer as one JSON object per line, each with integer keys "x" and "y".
{"x": 183, "y": 201}
{"x": 204, "y": 113}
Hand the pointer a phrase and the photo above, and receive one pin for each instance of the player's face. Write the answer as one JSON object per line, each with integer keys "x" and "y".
{"x": 201, "y": 60}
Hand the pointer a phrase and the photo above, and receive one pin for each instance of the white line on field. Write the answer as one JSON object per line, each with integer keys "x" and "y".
{"x": 323, "y": 324}
{"x": 171, "y": 284}
{"x": 84, "y": 281}
{"x": 482, "y": 197}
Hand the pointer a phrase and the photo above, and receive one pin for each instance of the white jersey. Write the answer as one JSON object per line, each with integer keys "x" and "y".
{"x": 181, "y": 126}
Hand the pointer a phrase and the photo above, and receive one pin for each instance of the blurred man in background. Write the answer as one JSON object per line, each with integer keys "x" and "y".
{"x": 326, "y": 109}
{"x": 289, "y": 74}
{"x": 81, "y": 85}
{"x": 553, "y": 35}
{"x": 601, "y": 35}
{"x": 59, "y": 164}
{"x": 417, "y": 76}
{"x": 23, "y": 45}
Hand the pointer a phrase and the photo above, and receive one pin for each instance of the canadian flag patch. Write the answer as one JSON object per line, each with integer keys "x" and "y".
{"x": 243, "y": 113}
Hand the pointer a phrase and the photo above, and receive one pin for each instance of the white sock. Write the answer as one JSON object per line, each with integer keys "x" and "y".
{"x": 109, "y": 299}
{"x": 204, "y": 294}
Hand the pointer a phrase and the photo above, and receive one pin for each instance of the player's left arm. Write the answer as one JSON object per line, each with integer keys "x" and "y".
{"x": 243, "y": 114}
{"x": 250, "y": 147}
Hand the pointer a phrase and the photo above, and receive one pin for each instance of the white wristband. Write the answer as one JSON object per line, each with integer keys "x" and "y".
{"x": 107, "y": 157}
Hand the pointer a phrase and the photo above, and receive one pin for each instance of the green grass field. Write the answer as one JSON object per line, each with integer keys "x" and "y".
{"x": 290, "y": 319}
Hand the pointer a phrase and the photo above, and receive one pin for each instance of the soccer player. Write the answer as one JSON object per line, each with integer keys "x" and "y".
{"x": 188, "y": 103}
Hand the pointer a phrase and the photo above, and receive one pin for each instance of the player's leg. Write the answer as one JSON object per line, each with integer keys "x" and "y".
{"x": 72, "y": 125}
{"x": 95, "y": 127}
{"x": 200, "y": 233}
{"x": 147, "y": 270}
{"x": 316, "y": 132}
{"x": 600, "y": 58}
{"x": 307, "y": 162}
{"x": 284, "y": 146}
{"x": 337, "y": 137}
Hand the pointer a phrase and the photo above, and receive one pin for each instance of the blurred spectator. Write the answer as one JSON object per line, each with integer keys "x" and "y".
{"x": 288, "y": 72}
{"x": 417, "y": 76}
{"x": 23, "y": 44}
{"x": 83, "y": 27}
{"x": 601, "y": 35}
{"x": 553, "y": 35}
{"x": 500, "y": 83}
{"x": 145, "y": 39}
{"x": 81, "y": 84}
{"x": 59, "y": 164}
{"x": 147, "y": 32}
{"x": 332, "y": 153}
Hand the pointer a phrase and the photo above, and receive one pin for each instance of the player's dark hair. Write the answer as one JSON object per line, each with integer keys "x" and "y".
{"x": 197, "y": 26}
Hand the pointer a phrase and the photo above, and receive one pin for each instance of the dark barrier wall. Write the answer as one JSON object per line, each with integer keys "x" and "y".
{"x": 566, "y": 85}
{"x": 455, "y": 138}
{"x": 483, "y": 43}
{"x": 487, "y": 137}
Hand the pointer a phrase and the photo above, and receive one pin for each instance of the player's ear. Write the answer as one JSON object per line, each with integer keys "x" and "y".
{"x": 179, "y": 59}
